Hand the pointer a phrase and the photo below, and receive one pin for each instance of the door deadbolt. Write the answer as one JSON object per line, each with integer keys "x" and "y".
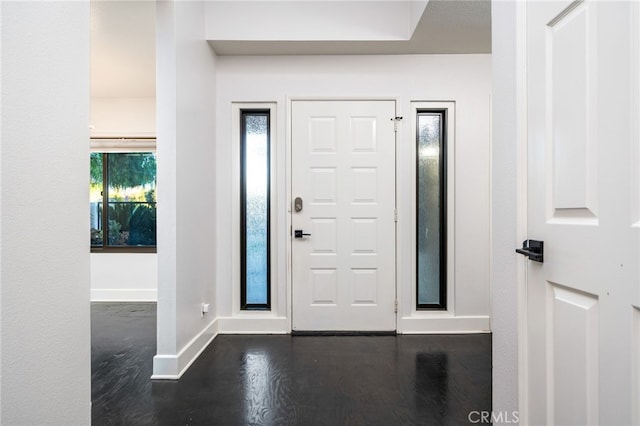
{"x": 297, "y": 204}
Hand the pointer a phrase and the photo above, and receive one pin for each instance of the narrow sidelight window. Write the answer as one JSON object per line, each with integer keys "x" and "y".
{"x": 254, "y": 209}
{"x": 431, "y": 214}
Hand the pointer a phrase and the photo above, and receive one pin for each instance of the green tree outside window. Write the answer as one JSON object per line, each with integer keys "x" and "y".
{"x": 127, "y": 181}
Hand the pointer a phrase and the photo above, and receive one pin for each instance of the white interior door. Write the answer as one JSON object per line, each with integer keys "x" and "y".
{"x": 580, "y": 301}
{"x": 343, "y": 171}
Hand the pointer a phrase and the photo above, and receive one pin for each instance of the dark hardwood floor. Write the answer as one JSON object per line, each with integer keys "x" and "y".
{"x": 285, "y": 380}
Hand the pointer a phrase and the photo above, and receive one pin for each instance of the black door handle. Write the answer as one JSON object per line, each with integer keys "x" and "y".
{"x": 298, "y": 233}
{"x": 533, "y": 249}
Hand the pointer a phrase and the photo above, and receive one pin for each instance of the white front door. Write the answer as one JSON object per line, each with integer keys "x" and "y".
{"x": 580, "y": 300}
{"x": 343, "y": 174}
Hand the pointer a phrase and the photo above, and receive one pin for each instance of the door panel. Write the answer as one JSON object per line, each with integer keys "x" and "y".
{"x": 343, "y": 168}
{"x": 574, "y": 358}
{"x": 580, "y": 138}
{"x": 572, "y": 112}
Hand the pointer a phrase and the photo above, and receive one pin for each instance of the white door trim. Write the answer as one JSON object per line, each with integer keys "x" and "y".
{"x": 288, "y": 173}
{"x": 521, "y": 204}
{"x": 635, "y": 390}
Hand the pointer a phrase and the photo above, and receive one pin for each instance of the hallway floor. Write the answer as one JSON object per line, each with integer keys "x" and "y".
{"x": 285, "y": 380}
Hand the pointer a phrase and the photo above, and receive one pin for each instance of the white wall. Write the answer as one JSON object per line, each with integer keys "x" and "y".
{"x": 124, "y": 277}
{"x": 186, "y": 186}
{"x": 464, "y": 79}
{"x": 504, "y": 283}
{"x": 45, "y": 261}
{"x": 123, "y": 117}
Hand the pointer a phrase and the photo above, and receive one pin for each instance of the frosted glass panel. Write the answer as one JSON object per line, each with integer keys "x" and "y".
{"x": 256, "y": 203}
{"x": 429, "y": 198}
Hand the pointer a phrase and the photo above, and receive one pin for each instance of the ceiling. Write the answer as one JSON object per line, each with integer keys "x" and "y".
{"x": 446, "y": 27}
{"x": 123, "y": 41}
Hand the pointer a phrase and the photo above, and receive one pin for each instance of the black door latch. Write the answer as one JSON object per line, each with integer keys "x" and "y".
{"x": 298, "y": 233}
{"x": 533, "y": 249}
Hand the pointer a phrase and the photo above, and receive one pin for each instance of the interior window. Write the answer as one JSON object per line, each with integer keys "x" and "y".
{"x": 123, "y": 201}
{"x": 255, "y": 207}
{"x": 431, "y": 214}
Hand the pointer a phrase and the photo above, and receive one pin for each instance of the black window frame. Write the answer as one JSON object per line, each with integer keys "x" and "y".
{"x": 105, "y": 247}
{"x": 243, "y": 211}
{"x": 443, "y": 155}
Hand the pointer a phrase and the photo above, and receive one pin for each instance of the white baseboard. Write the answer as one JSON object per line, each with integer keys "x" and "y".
{"x": 253, "y": 325}
{"x": 444, "y": 325}
{"x": 124, "y": 295}
{"x": 172, "y": 367}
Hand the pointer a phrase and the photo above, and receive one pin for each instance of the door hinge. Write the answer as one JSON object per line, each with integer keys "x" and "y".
{"x": 395, "y": 215}
{"x": 395, "y": 123}
{"x": 395, "y": 307}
